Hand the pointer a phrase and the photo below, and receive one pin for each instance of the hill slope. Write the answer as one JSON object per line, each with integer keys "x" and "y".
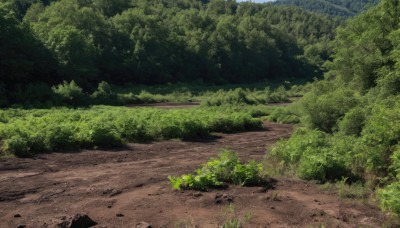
{"x": 344, "y": 8}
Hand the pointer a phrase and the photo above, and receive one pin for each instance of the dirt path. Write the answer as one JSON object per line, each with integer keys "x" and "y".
{"x": 122, "y": 188}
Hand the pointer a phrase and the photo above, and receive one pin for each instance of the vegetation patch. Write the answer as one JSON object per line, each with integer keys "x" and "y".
{"x": 27, "y": 132}
{"x": 218, "y": 172}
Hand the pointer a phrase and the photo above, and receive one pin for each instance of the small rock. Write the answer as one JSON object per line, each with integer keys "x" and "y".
{"x": 120, "y": 215}
{"x": 143, "y": 225}
{"x": 21, "y": 226}
{"x": 139, "y": 185}
{"x": 107, "y": 191}
{"x": 273, "y": 208}
{"x": 17, "y": 216}
{"x": 78, "y": 221}
{"x": 218, "y": 201}
{"x": 197, "y": 194}
{"x": 218, "y": 195}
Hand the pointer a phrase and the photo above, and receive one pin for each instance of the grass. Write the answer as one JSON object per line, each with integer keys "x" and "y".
{"x": 233, "y": 220}
{"x": 346, "y": 190}
{"x": 70, "y": 94}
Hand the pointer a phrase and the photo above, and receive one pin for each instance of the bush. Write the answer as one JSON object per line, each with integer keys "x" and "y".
{"x": 314, "y": 155}
{"x": 70, "y": 94}
{"x": 390, "y": 198}
{"x": 353, "y": 122}
{"x": 105, "y": 95}
{"x": 227, "y": 168}
{"x": 323, "y": 112}
{"x": 285, "y": 115}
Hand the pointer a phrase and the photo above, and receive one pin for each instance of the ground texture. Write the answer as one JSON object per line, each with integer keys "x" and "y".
{"x": 125, "y": 187}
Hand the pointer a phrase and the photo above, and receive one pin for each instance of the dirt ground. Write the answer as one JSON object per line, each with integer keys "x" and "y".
{"x": 124, "y": 187}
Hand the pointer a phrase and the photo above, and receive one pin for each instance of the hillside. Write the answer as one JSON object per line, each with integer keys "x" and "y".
{"x": 156, "y": 42}
{"x": 343, "y": 8}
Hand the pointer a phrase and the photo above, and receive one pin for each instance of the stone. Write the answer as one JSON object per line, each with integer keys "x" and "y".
{"x": 143, "y": 225}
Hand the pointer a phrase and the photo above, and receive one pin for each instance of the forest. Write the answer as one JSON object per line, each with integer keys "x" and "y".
{"x": 341, "y": 8}
{"x": 155, "y": 42}
{"x": 301, "y": 98}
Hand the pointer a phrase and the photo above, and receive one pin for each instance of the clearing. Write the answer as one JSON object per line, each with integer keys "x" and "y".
{"x": 124, "y": 187}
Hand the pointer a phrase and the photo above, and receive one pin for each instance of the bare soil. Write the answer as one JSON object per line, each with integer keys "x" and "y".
{"x": 124, "y": 187}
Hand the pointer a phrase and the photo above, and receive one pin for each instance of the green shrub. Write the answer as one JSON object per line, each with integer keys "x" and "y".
{"x": 396, "y": 162}
{"x": 70, "y": 94}
{"x": 286, "y": 115}
{"x": 314, "y": 155}
{"x": 322, "y": 112}
{"x": 390, "y": 198}
{"x": 353, "y": 122}
{"x": 227, "y": 168}
{"x": 105, "y": 95}
{"x": 17, "y": 145}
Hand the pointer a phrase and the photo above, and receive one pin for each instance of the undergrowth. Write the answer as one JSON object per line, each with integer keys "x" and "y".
{"x": 27, "y": 132}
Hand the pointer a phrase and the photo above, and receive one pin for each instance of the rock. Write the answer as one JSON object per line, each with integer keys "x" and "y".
{"x": 218, "y": 195}
{"x": 21, "y": 226}
{"x": 78, "y": 221}
{"x": 143, "y": 225}
{"x": 218, "y": 201}
{"x": 197, "y": 194}
{"x": 273, "y": 208}
{"x": 17, "y": 216}
{"x": 120, "y": 215}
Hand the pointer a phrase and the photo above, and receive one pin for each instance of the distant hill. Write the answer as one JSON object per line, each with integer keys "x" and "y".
{"x": 344, "y": 8}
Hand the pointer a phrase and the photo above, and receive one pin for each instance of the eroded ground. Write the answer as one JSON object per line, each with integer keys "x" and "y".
{"x": 122, "y": 188}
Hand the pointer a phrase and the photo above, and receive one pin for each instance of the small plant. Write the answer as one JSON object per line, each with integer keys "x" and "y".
{"x": 232, "y": 220}
{"x": 227, "y": 168}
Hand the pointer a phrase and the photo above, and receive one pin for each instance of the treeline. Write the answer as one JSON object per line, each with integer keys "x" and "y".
{"x": 342, "y": 8}
{"x": 351, "y": 119}
{"x": 156, "y": 41}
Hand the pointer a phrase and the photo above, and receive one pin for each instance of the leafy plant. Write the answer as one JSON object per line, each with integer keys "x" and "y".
{"x": 227, "y": 168}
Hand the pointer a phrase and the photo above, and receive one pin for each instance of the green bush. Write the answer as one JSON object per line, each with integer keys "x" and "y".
{"x": 390, "y": 198}
{"x": 104, "y": 94}
{"x": 227, "y": 168}
{"x": 286, "y": 115}
{"x": 70, "y": 94}
{"x": 323, "y": 112}
{"x": 314, "y": 155}
{"x": 353, "y": 122}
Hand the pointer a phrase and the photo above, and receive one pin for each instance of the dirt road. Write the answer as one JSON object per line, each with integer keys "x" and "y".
{"x": 122, "y": 188}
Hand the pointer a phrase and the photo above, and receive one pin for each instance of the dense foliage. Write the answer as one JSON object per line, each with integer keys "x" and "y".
{"x": 156, "y": 41}
{"x": 344, "y": 8}
{"x": 217, "y": 172}
{"x": 351, "y": 119}
{"x": 26, "y": 132}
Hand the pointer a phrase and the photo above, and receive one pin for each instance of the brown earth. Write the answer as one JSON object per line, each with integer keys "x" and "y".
{"x": 122, "y": 188}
